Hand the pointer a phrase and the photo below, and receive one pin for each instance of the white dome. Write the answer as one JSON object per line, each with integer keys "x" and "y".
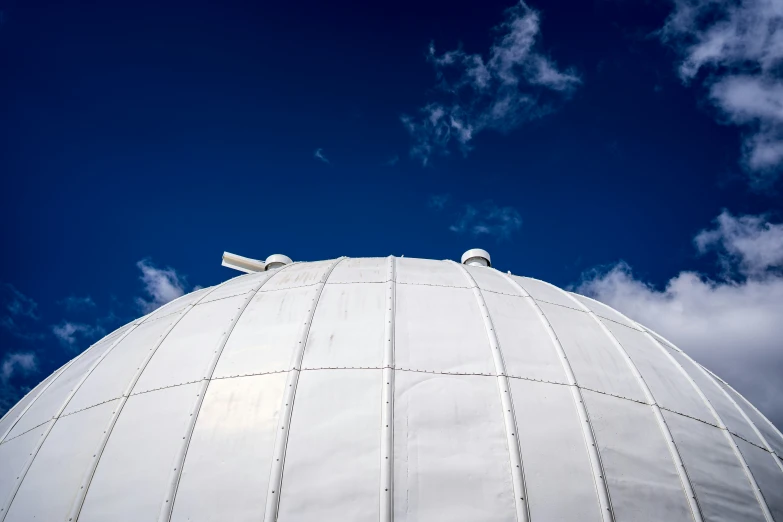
{"x": 386, "y": 389}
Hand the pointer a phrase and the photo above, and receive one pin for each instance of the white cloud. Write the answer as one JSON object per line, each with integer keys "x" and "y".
{"x": 738, "y": 45}
{"x": 515, "y": 84}
{"x": 488, "y": 219}
{"x": 160, "y": 284}
{"x": 731, "y": 324}
{"x": 14, "y": 363}
{"x": 319, "y": 155}
{"x": 70, "y": 333}
{"x": 751, "y": 245}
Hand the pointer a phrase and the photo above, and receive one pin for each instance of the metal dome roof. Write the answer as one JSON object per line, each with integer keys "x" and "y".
{"x": 386, "y": 389}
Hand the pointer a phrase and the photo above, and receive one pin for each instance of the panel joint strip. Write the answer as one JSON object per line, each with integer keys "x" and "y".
{"x": 601, "y": 487}
{"x": 682, "y": 473}
{"x": 287, "y": 406}
{"x": 387, "y": 400}
{"x": 506, "y": 401}
{"x": 81, "y": 495}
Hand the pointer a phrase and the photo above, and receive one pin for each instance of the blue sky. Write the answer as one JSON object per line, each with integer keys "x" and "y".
{"x": 607, "y": 146}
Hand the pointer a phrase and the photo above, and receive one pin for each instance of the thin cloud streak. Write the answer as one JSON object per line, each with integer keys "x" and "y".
{"x": 19, "y": 313}
{"x": 488, "y": 219}
{"x": 736, "y": 50}
{"x": 732, "y": 324}
{"x": 439, "y": 201}
{"x": 319, "y": 155}
{"x": 515, "y": 84}
{"x": 73, "y": 303}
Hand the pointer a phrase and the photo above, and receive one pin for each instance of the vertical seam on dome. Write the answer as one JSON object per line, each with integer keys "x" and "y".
{"x": 28, "y": 464}
{"x": 506, "y": 402}
{"x": 722, "y": 426}
{"x": 682, "y": 473}
{"x": 167, "y": 508}
{"x": 287, "y": 406}
{"x": 601, "y": 487}
{"x": 90, "y": 474}
{"x": 387, "y": 402}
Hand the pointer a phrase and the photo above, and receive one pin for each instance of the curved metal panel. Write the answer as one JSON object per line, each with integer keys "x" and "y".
{"x": 332, "y": 460}
{"x": 596, "y": 363}
{"x": 554, "y": 453}
{"x": 670, "y": 388}
{"x": 527, "y": 347}
{"x": 299, "y": 274}
{"x": 718, "y": 478}
{"x": 643, "y": 482}
{"x": 767, "y": 430}
{"x": 490, "y": 280}
{"x": 604, "y": 311}
{"x": 110, "y": 378}
{"x": 412, "y": 271}
{"x": 360, "y": 270}
{"x": 226, "y": 471}
{"x": 138, "y": 456}
{"x": 450, "y": 455}
{"x": 728, "y": 413}
{"x": 14, "y": 454}
{"x": 266, "y": 334}
{"x": 190, "y": 345}
{"x": 179, "y": 304}
{"x": 541, "y": 291}
{"x": 59, "y": 465}
{"x": 767, "y": 474}
{"x": 238, "y": 286}
{"x": 347, "y": 328}
{"x": 440, "y": 329}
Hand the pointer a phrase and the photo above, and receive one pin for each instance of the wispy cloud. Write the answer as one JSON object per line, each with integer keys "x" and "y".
{"x": 488, "y": 219}
{"x": 515, "y": 84}
{"x": 73, "y": 303}
{"x": 735, "y": 48}
{"x": 730, "y": 324}
{"x": 319, "y": 155}
{"x": 392, "y": 161}
{"x": 161, "y": 285}
{"x": 15, "y": 368}
{"x": 15, "y": 363}
{"x": 18, "y": 313}
{"x": 438, "y": 201}
{"x": 70, "y": 333}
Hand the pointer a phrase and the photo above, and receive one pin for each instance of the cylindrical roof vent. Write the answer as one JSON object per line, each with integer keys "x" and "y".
{"x": 476, "y": 257}
{"x": 276, "y": 261}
